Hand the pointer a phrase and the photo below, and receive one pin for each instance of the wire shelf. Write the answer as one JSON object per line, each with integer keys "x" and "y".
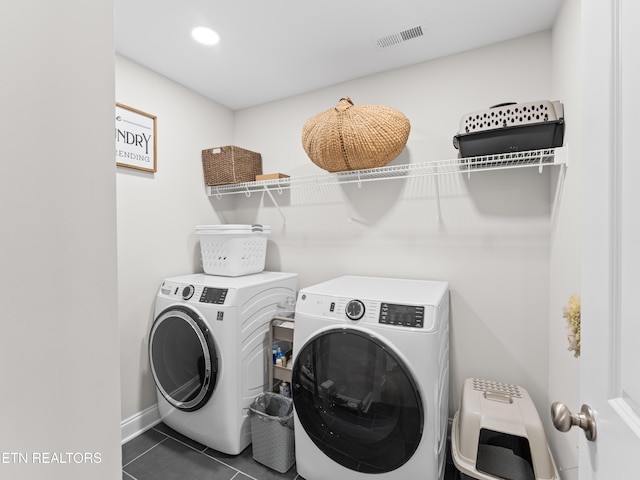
{"x": 528, "y": 159}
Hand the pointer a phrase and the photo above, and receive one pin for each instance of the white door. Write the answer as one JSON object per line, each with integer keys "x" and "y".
{"x": 610, "y": 382}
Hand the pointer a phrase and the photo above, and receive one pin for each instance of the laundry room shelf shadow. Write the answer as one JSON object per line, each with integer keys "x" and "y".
{"x": 456, "y": 166}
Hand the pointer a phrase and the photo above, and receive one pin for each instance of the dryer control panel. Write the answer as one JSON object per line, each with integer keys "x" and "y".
{"x": 213, "y": 295}
{"x": 194, "y": 293}
{"x": 402, "y": 315}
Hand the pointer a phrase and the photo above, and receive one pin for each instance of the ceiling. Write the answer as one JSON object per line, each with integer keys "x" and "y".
{"x": 275, "y": 49}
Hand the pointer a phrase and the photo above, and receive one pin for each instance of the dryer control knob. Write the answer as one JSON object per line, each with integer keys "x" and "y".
{"x": 188, "y": 291}
{"x": 354, "y": 310}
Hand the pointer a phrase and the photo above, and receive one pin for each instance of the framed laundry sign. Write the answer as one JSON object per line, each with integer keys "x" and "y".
{"x": 135, "y": 139}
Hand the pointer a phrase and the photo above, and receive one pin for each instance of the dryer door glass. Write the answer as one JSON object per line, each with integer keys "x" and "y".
{"x": 357, "y": 401}
{"x": 183, "y": 358}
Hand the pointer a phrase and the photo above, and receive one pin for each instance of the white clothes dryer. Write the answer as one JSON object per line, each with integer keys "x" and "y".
{"x": 371, "y": 379}
{"x": 208, "y": 352}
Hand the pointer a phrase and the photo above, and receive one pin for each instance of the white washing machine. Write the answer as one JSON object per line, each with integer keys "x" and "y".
{"x": 371, "y": 379}
{"x": 208, "y": 352}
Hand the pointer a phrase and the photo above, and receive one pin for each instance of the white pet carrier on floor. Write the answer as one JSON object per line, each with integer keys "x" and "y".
{"x": 497, "y": 433}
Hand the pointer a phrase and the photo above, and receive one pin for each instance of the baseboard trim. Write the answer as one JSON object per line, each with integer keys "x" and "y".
{"x": 138, "y": 423}
{"x": 149, "y": 417}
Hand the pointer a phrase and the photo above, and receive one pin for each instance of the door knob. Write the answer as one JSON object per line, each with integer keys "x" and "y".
{"x": 563, "y": 419}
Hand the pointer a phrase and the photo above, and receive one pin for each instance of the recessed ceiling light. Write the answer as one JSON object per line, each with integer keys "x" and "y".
{"x": 205, "y": 36}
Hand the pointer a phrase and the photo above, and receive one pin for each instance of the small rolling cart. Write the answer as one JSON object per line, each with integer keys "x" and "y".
{"x": 281, "y": 335}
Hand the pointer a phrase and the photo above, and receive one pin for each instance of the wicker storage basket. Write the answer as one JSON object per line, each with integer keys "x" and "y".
{"x": 230, "y": 164}
{"x": 349, "y": 137}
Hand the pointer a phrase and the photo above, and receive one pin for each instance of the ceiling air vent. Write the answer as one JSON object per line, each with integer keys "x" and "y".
{"x": 399, "y": 37}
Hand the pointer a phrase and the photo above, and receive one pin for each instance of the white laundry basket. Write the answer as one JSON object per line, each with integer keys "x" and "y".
{"x": 233, "y": 250}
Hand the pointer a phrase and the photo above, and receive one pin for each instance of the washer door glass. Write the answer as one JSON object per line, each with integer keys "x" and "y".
{"x": 357, "y": 401}
{"x": 183, "y": 358}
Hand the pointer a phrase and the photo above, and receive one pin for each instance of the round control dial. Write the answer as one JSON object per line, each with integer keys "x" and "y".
{"x": 354, "y": 310}
{"x": 188, "y": 291}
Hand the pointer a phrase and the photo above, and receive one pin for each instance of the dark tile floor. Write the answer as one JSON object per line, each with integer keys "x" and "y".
{"x": 161, "y": 453}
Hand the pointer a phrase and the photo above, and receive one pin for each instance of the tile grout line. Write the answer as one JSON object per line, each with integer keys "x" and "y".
{"x": 168, "y": 435}
{"x": 203, "y": 452}
{"x": 129, "y": 475}
{"x": 230, "y": 466}
{"x": 240, "y": 472}
{"x": 145, "y": 452}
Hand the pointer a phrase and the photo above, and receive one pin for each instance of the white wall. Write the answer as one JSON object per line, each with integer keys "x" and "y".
{"x": 59, "y": 342}
{"x": 493, "y": 244}
{"x": 158, "y": 212}
{"x": 565, "y": 269}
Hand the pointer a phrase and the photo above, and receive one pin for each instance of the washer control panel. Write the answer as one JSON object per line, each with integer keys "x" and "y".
{"x": 402, "y": 315}
{"x": 387, "y": 313}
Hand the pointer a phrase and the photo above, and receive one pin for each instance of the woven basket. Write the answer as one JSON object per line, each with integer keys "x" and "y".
{"x": 230, "y": 164}
{"x": 349, "y": 137}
